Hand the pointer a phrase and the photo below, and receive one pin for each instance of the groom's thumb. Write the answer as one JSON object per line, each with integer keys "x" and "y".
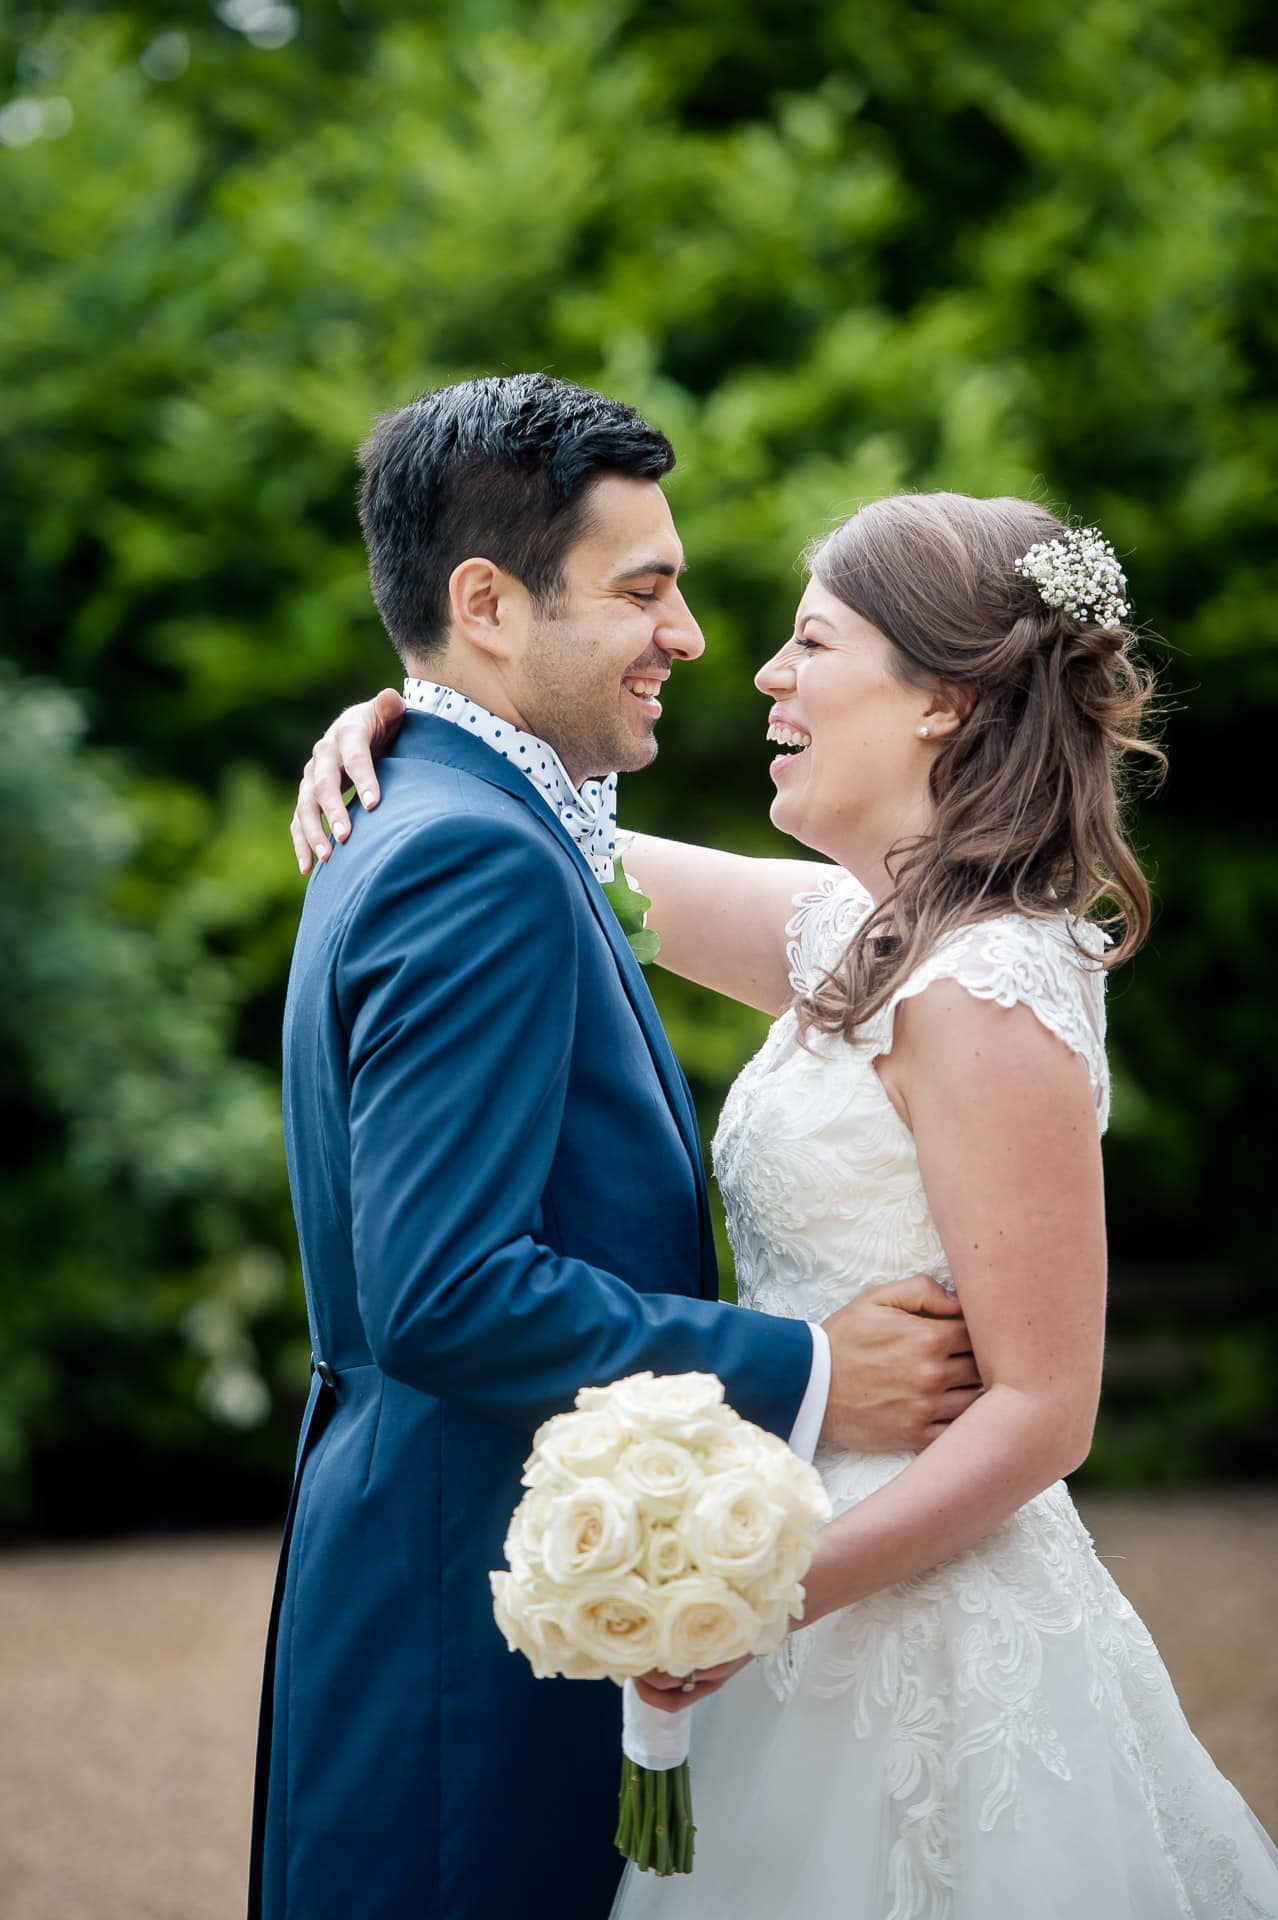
{"x": 919, "y": 1294}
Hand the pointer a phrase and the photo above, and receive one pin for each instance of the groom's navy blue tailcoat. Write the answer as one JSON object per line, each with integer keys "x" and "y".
{"x": 500, "y": 1199}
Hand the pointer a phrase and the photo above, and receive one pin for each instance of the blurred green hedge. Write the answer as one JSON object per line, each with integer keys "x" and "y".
{"x": 833, "y": 249}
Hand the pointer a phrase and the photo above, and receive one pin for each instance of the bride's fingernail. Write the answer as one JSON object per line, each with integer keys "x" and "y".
{"x": 368, "y": 797}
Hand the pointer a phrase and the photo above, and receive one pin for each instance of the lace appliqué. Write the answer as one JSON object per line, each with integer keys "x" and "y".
{"x": 823, "y": 922}
{"x": 955, "y": 1662}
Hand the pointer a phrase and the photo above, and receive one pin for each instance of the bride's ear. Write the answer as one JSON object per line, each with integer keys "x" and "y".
{"x": 948, "y": 706}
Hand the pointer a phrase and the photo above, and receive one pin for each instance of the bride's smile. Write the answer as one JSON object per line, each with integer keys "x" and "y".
{"x": 858, "y": 740}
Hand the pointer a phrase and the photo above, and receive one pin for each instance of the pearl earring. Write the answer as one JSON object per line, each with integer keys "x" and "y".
{"x": 925, "y": 733}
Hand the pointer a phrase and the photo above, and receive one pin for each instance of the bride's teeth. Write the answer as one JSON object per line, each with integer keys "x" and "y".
{"x": 788, "y": 736}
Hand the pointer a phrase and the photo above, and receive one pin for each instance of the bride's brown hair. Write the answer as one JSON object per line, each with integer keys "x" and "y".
{"x": 1028, "y": 792}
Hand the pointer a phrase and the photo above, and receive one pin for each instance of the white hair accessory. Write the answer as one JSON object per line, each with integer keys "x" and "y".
{"x": 1080, "y": 575}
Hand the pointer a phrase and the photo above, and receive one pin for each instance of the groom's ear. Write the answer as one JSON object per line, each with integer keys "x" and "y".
{"x": 488, "y": 608}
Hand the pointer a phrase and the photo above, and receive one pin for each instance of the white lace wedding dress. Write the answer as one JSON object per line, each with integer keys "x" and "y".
{"x": 996, "y": 1739}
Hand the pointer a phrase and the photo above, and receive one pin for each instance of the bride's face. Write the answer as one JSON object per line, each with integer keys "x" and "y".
{"x": 860, "y": 782}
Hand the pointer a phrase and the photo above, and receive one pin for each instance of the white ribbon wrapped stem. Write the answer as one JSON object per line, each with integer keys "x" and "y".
{"x": 650, "y": 1737}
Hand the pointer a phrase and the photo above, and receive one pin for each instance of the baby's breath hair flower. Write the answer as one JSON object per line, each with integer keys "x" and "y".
{"x": 1080, "y": 575}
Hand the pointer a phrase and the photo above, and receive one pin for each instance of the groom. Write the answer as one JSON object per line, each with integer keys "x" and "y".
{"x": 495, "y": 1172}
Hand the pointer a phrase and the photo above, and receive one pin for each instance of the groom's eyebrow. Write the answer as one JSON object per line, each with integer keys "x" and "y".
{"x": 665, "y": 569}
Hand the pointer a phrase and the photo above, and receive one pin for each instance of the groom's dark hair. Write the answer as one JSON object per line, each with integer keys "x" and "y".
{"x": 500, "y": 468}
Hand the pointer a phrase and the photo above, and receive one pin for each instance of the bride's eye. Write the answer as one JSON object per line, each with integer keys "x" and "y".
{"x": 808, "y": 644}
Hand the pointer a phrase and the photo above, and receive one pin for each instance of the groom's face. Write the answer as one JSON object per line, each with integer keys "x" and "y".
{"x": 592, "y": 674}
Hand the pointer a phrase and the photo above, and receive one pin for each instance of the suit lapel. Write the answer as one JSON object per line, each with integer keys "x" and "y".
{"x": 425, "y": 737}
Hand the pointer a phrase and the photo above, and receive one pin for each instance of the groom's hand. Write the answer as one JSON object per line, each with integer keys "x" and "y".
{"x": 902, "y": 1368}
{"x": 342, "y": 757}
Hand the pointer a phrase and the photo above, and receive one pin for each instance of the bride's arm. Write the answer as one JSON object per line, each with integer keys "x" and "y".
{"x": 721, "y": 916}
{"x": 1005, "y": 1127}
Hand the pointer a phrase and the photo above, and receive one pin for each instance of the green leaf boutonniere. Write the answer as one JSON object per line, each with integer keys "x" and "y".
{"x": 630, "y": 906}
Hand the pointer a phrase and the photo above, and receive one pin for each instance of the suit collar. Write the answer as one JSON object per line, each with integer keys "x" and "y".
{"x": 423, "y": 736}
{"x": 587, "y": 812}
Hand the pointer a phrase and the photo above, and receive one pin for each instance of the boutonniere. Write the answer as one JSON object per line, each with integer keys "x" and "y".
{"x": 630, "y": 906}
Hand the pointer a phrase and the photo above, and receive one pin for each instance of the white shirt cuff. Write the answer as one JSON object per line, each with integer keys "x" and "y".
{"x": 807, "y": 1428}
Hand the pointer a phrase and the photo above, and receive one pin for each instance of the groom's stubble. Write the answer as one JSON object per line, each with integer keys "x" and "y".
{"x": 574, "y": 695}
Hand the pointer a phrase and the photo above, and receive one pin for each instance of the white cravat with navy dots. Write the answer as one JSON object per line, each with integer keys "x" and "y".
{"x": 588, "y": 815}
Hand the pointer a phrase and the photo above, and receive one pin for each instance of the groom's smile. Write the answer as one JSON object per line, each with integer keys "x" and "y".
{"x": 646, "y": 689}
{"x": 594, "y": 670}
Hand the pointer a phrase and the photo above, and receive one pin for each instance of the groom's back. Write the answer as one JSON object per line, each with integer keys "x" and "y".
{"x": 368, "y": 875}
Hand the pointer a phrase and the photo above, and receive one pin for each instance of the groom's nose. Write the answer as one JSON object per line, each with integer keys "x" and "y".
{"x": 677, "y": 632}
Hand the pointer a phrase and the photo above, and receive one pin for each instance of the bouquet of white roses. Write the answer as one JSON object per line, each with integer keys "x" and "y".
{"x": 659, "y": 1530}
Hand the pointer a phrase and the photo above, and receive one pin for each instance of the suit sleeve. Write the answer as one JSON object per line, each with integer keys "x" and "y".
{"x": 457, "y": 983}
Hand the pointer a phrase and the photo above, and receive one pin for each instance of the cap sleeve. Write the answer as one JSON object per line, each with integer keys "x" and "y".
{"x": 1018, "y": 960}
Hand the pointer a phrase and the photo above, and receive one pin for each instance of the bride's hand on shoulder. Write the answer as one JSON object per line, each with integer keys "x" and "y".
{"x": 342, "y": 757}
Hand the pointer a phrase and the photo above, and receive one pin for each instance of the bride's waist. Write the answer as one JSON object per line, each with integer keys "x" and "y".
{"x": 814, "y": 1296}
{"x": 849, "y": 1477}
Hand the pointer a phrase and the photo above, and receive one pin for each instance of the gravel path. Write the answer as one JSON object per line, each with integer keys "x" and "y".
{"x": 129, "y": 1679}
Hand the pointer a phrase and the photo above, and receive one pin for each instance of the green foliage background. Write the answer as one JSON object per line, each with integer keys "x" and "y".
{"x": 832, "y": 249}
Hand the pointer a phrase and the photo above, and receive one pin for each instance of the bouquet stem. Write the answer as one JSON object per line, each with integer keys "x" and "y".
{"x": 654, "y": 1818}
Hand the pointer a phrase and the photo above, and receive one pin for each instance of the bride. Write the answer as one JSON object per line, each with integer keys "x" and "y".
{"x": 970, "y": 1720}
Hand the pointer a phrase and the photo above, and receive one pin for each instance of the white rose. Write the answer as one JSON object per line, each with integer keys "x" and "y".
{"x": 660, "y": 1474}
{"x": 511, "y": 1616}
{"x": 559, "y": 1653}
{"x": 703, "y": 1623}
{"x": 795, "y": 1549}
{"x": 729, "y": 1449}
{"x": 533, "y": 1626}
{"x": 733, "y": 1529}
{"x": 527, "y": 1526}
{"x": 679, "y": 1406}
{"x": 614, "y": 1623}
{"x": 593, "y": 1529}
{"x": 791, "y": 1558}
{"x": 780, "y": 1590}
{"x": 573, "y": 1446}
{"x": 594, "y": 1399}
{"x": 665, "y": 1556}
{"x": 797, "y": 1486}
{"x": 774, "y": 1627}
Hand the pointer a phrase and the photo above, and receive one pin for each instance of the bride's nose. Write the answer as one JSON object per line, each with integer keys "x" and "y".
{"x": 775, "y": 676}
